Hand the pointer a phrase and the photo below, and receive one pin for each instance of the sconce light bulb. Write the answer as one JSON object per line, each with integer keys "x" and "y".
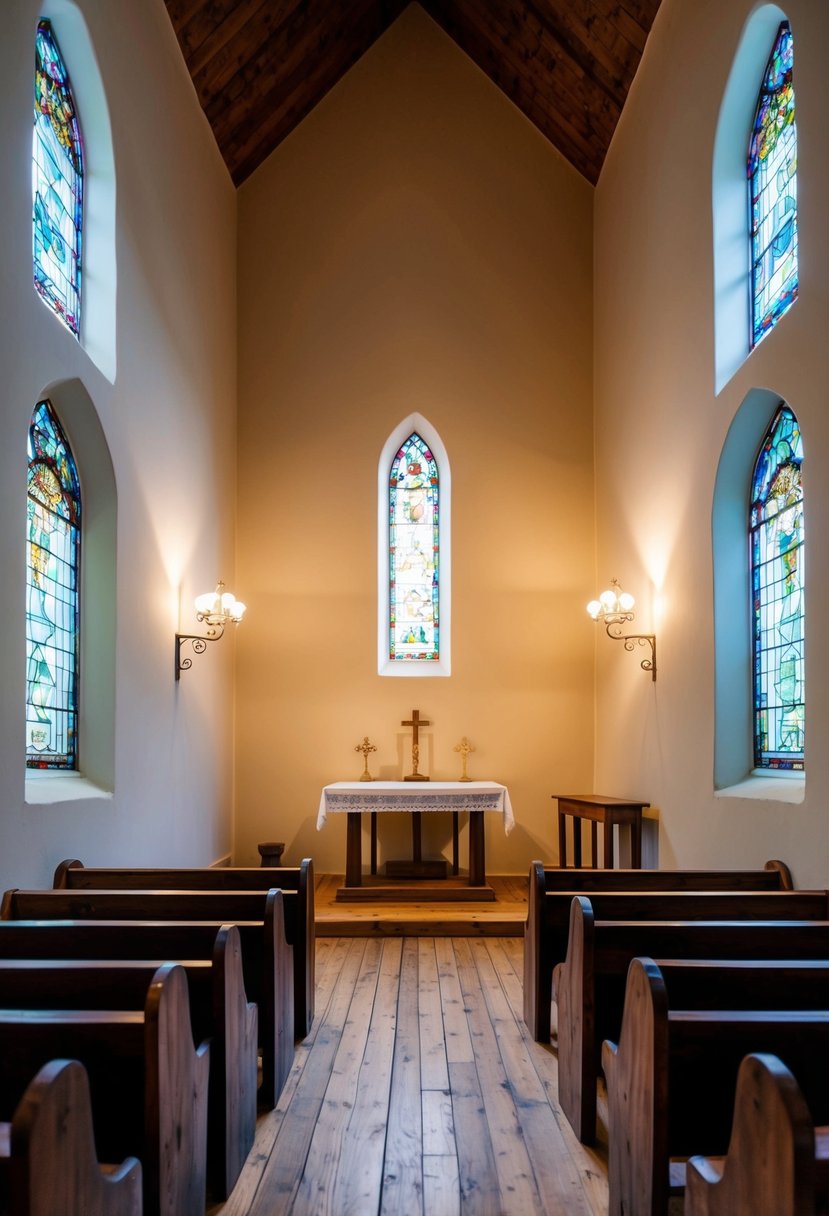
{"x": 594, "y": 608}
{"x": 608, "y": 600}
{"x": 626, "y": 601}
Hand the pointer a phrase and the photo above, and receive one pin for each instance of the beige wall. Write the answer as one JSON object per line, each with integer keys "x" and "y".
{"x": 415, "y": 245}
{"x": 168, "y": 422}
{"x": 660, "y": 429}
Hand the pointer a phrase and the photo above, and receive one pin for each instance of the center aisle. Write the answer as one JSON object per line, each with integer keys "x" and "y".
{"x": 419, "y": 1091}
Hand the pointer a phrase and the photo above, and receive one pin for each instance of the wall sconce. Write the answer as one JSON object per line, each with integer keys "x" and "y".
{"x": 613, "y": 608}
{"x": 217, "y": 609}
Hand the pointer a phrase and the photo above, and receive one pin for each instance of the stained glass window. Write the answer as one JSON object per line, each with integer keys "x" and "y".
{"x": 52, "y": 576}
{"x": 57, "y": 183}
{"x": 414, "y": 553}
{"x": 772, "y": 173}
{"x": 777, "y": 570}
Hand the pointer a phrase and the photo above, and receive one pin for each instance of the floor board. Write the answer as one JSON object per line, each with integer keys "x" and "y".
{"x": 419, "y": 1092}
{"x": 502, "y": 917}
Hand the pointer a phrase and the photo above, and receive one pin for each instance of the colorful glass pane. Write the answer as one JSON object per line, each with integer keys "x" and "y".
{"x": 57, "y": 183}
{"x": 52, "y": 576}
{"x": 772, "y": 172}
{"x": 414, "y": 552}
{"x": 777, "y": 570}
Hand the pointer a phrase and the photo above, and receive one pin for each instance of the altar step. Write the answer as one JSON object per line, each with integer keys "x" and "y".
{"x": 399, "y": 909}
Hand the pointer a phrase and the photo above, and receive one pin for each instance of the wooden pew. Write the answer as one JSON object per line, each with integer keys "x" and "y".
{"x": 296, "y": 883}
{"x": 267, "y": 961}
{"x": 219, "y": 1012}
{"x": 590, "y": 983}
{"x": 147, "y": 1080}
{"x": 671, "y": 1080}
{"x": 545, "y": 931}
{"x": 47, "y": 1153}
{"x": 777, "y": 1162}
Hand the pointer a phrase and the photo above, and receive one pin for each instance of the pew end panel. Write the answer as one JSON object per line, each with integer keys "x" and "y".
{"x": 233, "y": 1066}
{"x": 278, "y": 1000}
{"x": 636, "y": 1071}
{"x": 573, "y": 981}
{"x": 771, "y": 1167}
{"x": 52, "y": 1165}
{"x": 176, "y": 1098}
{"x": 538, "y": 960}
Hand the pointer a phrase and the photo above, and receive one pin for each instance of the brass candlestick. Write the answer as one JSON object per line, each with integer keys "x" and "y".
{"x": 365, "y": 747}
{"x": 464, "y": 747}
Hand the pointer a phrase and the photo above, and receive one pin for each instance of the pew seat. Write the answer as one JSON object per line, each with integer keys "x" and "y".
{"x": 266, "y": 960}
{"x": 671, "y": 1078}
{"x": 590, "y": 983}
{"x": 148, "y": 1084}
{"x": 545, "y": 931}
{"x": 296, "y": 883}
{"x": 48, "y": 1162}
{"x": 219, "y": 1012}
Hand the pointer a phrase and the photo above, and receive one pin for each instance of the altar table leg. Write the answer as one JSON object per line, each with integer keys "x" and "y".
{"x": 594, "y": 844}
{"x": 374, "y": 842}
{"x": 353, "y": 850}
{"x": 608, "y": 840}
{"x": 562, "y": 838}
{"x": 477, "y": 865}
{"x": 455, "y": 865}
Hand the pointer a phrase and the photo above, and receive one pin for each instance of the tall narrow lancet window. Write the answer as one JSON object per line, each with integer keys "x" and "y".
{"x": 772, "y": 173}
{"x": 57, "y": 183}
{"x": 52, "y": 580}
{"x": 777, "y": 579}
{"x": 414, "y": 553}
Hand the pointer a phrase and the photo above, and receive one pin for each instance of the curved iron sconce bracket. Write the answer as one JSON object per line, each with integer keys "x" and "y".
{"x": 614, "y": 630}
{"x": 199, "y": 642}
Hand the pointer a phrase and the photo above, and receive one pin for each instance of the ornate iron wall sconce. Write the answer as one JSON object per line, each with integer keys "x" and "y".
{"x": 217, "y": 609}
{"x": 613, "y": 608}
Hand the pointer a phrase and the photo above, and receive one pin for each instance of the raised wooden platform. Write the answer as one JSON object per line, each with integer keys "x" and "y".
{"x": 387, "y": 908}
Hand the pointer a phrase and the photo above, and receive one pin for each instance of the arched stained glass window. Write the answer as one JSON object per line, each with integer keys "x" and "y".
{"x": 57, "y": 183}
{"x": 52, "y": 579}
{"x": 777, "y": 580}
{"x": 414, "y": 553}
{"x": 772, "y": 173}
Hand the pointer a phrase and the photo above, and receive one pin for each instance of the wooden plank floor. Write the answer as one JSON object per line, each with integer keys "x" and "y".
{"x": 503, "y": 917}
{"x": 419, "y": 1092}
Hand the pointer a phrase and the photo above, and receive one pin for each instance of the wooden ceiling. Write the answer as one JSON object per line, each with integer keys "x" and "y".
{"x": 259, "y": 66}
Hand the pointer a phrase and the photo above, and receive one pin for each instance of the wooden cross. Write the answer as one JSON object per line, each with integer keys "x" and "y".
{"x": 415, "y": 722}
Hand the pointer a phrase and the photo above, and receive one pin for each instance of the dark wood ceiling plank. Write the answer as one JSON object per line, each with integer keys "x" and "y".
{"x": 220, "y": 21}
{"x": 260, "y": 66}
{"x": 261, "y": 38}
{"x": 294, "y": 55}
{"x": 283, "y": 102}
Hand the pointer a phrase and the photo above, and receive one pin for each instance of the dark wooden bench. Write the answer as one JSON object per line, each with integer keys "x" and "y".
{"x": 148, "y": 1082}
{"x": 545, "y": 931}
{"x": 161, "y": 930}
{"x": 777, "y": 1162}
{"x": 671, "y": 1079}
{"x": 296, "y": 883}
{"x": 48, "y": 1160}
{"x": 590, "y": 983}
{"x": 219, "y": 1011}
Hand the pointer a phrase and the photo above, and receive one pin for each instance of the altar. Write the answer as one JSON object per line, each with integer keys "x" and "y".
{"x": 354, "y": 798}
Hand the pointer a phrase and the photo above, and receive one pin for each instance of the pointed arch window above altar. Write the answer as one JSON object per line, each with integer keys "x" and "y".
{"x": 413, "y": 552}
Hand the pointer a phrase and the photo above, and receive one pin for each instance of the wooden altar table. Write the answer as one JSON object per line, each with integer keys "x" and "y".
{"x": 355, "y": 798}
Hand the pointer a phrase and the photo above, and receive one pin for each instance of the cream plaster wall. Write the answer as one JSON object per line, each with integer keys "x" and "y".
{"x": 415, "y": 245}
{"x": 169, "y": 423}
{"x": 660, "y": 429}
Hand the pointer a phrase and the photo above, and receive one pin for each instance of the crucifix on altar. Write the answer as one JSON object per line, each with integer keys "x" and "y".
{"x": 415, "y": 722}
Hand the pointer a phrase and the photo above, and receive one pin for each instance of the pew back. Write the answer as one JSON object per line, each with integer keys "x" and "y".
{"x": 672, "y": 1078}
{"x": 267, "y": 965}
{"x": 590, "y": 983}
{"x": 148, "y": 1084}
{"x": 299, "y": 913}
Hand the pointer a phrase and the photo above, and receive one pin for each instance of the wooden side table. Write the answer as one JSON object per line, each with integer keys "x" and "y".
{"x": 599, "y": 810}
